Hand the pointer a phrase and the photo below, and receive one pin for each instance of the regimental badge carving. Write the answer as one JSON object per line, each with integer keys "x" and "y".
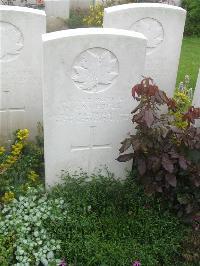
{"x": 152, "y": 30}
{"x": 95, "y": 70}
{"x": 12, "y": 41}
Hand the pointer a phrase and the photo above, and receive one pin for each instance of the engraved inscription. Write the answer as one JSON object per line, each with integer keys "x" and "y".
{"x": 12, "y": 41}
{"x": 95, "y": 69}
{"x": 152, "y": 30}
{"x": 93, "y": 110}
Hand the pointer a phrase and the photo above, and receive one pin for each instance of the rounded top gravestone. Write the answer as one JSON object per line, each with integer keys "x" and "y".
{"x": 196, "y": 97}
{"x": 21, "y": 32}
{"x": 163, "y": 26}
{"x": 152, "y": 29}
{"x": 88, "y": 76}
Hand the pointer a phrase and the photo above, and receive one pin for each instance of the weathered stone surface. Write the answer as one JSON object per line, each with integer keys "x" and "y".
{"x": 57, "y": 8}
{"x": 88, "y": 76}
{"x": 20, "y": 69}
{"x": 196, "y": 98}
{"x": 163, "y": 26}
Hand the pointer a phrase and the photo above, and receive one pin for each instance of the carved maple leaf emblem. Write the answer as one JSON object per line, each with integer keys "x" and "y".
{"x": 12, "y": 41}
{"x": 94, "y": 71}
{"x": 152, "y": 30}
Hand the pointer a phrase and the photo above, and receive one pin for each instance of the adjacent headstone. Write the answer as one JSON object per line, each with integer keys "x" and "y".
{"x": 88, "y": 76}
{"x": 57, "y": 12}
{"x": 163, "y": 26}
{"x": 196, "y": 98}
{"x": 168, "y": 2}
{"x": 57, "y": 8}
{"x": 83, "y": 4}
{"x": 20, "y": 69}
{"x": 176, "y": 2}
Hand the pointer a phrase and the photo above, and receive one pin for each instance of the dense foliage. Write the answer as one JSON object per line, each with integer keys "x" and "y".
{"x": 166, "y": 150}
{"x": 95, "y": 16}
{"x": 76, "y": 18}
{"x": 21, "y": 164}
{"x": 191, "y": 248}
{"x": 22, "y": 225}
{"x": 192, "y": 26}
{"x": 89, "y": 221}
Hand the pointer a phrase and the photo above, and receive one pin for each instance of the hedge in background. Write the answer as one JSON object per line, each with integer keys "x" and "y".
{"x": 192, "y": 26}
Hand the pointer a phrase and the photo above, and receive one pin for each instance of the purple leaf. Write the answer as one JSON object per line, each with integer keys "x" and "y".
{"x": 159, "y": 189}
{"x": 171, "y": 179}
{"x": 141, "y": 167}
{"x": 125, "y": 145}
{"x": 148, "y": 117}
{"x": 167, "y": 163}
{"x": 182, "y": 162}
{"x": 125, "y": 157}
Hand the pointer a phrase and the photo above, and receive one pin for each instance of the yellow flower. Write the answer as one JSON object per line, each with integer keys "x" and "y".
{"x": 11, "y": 159}
{"x": 22, "y": 134}
{"x": 2, "y": 150}
{"x": 14, "y": 155}
{"x": 33, "y": 176}
{"x": 8, "y": 197}
{"x": 16, "y": 148}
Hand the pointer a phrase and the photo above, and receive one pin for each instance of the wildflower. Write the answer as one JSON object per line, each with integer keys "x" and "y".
{"x": 40, "y": 2}
{"x": 2, "y": 150}
{"x": 8, "y": 197}
{"x": 33, "y": 176}
{"x": 187, "y": 79}
{"x": 16, "y": 148}
{"x": 63, "y": 263}
{"x": 181, "y": 86}
{"x": 11, "y": 159}
{"x": 196, "y": 222}
{"x": 136, "y": 263}
{"x": 190, "y": 93}
{"x": 22, "y": 134}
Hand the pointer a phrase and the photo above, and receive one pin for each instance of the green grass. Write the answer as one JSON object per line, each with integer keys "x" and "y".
{"x": 190, "y": 60}
{"x": 109, "y": 222}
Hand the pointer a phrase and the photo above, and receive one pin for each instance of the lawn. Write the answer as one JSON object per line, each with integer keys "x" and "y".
{"x": 189, "y": 60}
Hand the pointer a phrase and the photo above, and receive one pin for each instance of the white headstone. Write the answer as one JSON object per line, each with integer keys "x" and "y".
{"x": 57, "y": 12}
{"x": 83, "y": 4}
{"x": 88, "y": 77}
{"x": 20, "y": 69}
{"x": 177, "y": 2}
{"x": 196, "y": 98}
{"x": 57, "y": 8}
{"x": 163, "y": 26}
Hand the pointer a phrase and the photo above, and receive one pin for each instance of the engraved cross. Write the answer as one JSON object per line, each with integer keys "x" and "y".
{"x": 91, "y": 147}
